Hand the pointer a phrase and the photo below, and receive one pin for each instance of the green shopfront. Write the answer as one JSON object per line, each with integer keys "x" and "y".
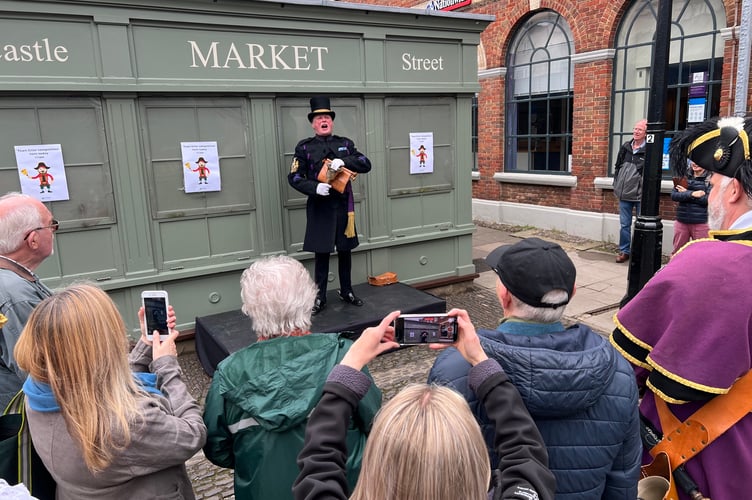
{"x": 119, "y": 88}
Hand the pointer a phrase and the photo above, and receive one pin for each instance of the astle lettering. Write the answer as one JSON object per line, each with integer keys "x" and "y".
{"x": 257, "y": 56}
{"x": 39, "y": 51}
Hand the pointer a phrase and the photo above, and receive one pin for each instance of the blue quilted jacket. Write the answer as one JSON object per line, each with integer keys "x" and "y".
{"x": 582, "y": 395}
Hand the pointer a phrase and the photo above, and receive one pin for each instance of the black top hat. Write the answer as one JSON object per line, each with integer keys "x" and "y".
{"x": 41, "y": 164}
{"x": 531, "y": 268}
{"x": 200, "y": 159}
{"x": 320, "y": 106}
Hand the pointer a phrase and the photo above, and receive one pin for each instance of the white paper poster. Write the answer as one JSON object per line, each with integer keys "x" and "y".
{"x": 421, "y": 152}
{"x": 200, "y": 167}
{"x": 41, "y": 171}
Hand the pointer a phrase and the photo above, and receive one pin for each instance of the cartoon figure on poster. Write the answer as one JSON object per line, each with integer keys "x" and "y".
{"x": 201, "y": 167}
{"x": 36, "y": 164}
{"x": 421, "y": 152}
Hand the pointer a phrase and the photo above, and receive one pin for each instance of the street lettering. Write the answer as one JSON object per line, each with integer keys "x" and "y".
{"x": 39, "y": 51}
{"x": 257, "y": 56}
{"x": 413, "y": 63}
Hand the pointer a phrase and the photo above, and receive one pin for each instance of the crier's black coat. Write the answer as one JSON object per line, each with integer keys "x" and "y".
{"x": 326, "y": 215}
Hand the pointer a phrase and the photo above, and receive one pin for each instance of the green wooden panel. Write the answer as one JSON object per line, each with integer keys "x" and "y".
{"x": 39, "y": 45}
{"x": 416, "y": 61}
{"x": 77, "y": 124}
{"x": 206, "y": 241}
{"x": 182, "y": 241}
{"x": 93, "y": 254}
{"x": 231, "y": 235}
{"x": 235, "y": 54}
{"x": 426, "y": 261}
{"x": 168, "y": 122}
{"x": 404, "y": 116}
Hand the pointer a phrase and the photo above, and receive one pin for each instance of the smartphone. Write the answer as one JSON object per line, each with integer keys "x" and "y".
{"x": 413, "y": 329}
{"x": 155, "y": 312}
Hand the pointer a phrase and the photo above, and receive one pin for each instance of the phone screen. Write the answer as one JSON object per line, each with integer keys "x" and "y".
{"x": 155, "y": 312}
{"x": 412, "y": 329}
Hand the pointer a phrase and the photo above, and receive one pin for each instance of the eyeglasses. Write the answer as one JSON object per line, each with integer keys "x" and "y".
{"x": 53, "y": 225}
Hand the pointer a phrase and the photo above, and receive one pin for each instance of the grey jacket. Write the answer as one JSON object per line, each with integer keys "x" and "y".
{"x": 18, "y": 297}
{"x": 170, "y": 431}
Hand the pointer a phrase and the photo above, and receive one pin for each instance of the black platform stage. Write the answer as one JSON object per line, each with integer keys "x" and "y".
{"x": 218, "y": 335}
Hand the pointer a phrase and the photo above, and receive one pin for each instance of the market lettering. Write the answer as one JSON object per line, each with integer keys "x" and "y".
{"x": 412, "y": 63}
{"x": 39, "y": 51}
{"x": 257, "y": 56}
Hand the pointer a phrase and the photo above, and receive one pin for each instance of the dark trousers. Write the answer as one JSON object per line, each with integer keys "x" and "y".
{"x": 321, "y": 272}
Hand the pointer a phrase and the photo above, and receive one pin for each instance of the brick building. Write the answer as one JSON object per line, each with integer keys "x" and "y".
{"x": 564, "y": 81}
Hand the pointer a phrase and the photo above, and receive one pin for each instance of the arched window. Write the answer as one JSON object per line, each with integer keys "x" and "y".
{"x": 693, "y": 75}
{"x": 539, "y": 96}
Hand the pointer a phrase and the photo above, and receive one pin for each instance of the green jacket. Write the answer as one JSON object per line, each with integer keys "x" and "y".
{"x": 258, "y": 406}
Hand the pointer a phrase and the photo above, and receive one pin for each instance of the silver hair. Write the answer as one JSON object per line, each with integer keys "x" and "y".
{"x": 541, "y": 314}
{"x": 277, "y": 294}
{"x": 17, "y": 219}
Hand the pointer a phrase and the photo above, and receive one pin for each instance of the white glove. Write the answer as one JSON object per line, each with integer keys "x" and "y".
{"x": 322, "y": 189}
{"x": 336, "y": 164}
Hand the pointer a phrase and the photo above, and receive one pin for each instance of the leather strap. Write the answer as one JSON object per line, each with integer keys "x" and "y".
{"x": 683, "y": 440}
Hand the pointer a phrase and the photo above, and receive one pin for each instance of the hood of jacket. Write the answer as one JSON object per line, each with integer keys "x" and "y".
{"x": 279, "y": 381}
{"x": 557, "y": 374}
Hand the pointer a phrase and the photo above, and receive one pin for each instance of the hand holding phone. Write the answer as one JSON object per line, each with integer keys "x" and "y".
{"x": 155, "y": 305}
{"x": 372, "y": 342}
{"x": 414, "y": 329}
{"x": 468, "y": 343}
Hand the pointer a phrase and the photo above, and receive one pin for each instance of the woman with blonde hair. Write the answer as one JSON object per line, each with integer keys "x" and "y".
{"x": 105, "y": 423}
{"x": 425, "y": 443}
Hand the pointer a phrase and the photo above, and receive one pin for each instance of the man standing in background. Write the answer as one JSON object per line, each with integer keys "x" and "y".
{"x": 628, "y": 185}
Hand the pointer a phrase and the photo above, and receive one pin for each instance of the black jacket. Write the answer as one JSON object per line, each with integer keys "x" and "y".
{"x": 326, "y": 215}
{"x": 523, "y": 468}
{"x": 692, "y": 210}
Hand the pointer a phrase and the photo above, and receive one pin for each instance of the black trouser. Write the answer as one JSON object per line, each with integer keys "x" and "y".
{"x": 321, "y": 272}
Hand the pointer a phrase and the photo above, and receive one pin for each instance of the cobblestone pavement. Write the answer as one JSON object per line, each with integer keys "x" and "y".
{"x": 391, "y": 371}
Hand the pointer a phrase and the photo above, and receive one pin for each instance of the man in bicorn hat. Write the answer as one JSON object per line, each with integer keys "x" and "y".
{"x": 581, "y": 394}
{"x": 722, "y": 148}
{"x": 330, "y": 214}
{"x": 688, "y": 332}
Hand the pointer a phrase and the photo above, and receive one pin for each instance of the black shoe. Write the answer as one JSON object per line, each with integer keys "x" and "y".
{"x": 350, "y": 298}
{"x": 318, "y": 306}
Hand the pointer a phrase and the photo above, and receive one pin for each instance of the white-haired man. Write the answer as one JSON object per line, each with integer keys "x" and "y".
{"x": 27, "y": 233}
{"x": 260, "y": 397}
{"x": 581, "y": 394}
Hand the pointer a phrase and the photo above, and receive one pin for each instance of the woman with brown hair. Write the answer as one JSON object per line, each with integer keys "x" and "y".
{"x": 105, "y": 423}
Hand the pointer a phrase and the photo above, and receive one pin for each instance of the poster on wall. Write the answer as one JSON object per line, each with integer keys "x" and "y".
{"x": 200, "y": 167}
{"x": 421, "y": 152}
{"x": 41, "y": 171}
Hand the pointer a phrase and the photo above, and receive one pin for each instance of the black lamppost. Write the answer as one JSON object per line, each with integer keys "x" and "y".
{"x": 648, "y": 232}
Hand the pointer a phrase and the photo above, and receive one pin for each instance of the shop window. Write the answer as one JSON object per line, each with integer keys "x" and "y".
{"x": 693, "y": 73}
{"x": 539, "y": 96}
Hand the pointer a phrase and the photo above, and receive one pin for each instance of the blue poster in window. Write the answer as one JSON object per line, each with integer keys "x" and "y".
{"x": 666, "y": 142}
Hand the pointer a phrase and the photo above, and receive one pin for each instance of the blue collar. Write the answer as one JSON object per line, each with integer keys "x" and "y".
{"x": 516, "y": 326}
{"x": 41, "y": 398}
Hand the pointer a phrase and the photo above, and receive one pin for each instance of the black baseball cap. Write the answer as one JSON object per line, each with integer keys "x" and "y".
{"x": 531, "y": 268}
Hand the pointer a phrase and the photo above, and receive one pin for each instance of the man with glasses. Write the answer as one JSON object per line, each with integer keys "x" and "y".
{"x": 26, "y": 239}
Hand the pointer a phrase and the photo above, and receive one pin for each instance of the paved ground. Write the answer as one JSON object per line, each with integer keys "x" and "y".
{"x": 601, "y": 283}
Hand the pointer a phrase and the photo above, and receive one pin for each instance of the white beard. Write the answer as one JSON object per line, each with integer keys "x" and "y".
{"x": 716, "y": 214}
